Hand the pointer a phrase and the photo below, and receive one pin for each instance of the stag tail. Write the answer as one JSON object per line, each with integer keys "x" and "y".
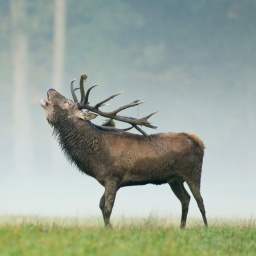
{"x": 197, "y": 140}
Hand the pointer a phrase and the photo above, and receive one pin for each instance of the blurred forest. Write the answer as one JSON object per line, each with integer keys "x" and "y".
{"x": 194, "y": 61}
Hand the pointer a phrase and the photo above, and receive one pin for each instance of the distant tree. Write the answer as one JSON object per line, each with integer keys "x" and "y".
{"x": 59, "y": 28}
{"x": 59, "y": 43}
{"x": 22, "y": 141}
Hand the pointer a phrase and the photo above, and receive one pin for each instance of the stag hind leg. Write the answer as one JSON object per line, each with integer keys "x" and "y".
{"x": 195, "y": 189}
{"x": 102, "y": 205}
{"x": 107, "y": 201}
{"x": 181, "y": 193}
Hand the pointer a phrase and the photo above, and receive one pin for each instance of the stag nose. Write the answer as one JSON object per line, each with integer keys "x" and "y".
{"x": 51, "y": 90}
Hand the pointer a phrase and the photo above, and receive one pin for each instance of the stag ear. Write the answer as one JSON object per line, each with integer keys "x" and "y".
{"x": 86, "y": 115}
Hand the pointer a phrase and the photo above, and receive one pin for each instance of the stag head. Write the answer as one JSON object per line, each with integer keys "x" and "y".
{"x": 57, "y": 106}
{"x": 57, "y": 103}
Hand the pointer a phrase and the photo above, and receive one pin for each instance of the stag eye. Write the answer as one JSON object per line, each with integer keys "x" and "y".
{"x": 67, "y": 102}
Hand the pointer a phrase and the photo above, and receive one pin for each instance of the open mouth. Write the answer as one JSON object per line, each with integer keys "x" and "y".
{"x": 48, "y": 98}
{"x": 45, "y": 103}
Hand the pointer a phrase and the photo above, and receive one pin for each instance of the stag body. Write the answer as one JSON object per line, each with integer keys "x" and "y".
{"x": 117, "y": 158}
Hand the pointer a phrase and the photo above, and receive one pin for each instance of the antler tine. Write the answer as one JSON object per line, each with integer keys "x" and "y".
{"x": 73, "y": 90}
{"x": 145, "y": 120}
{"x": 100, "y": 104}
{"x": 140, "y": 130}
{"x": 134, "y": 121}
{"x": 83, "y": 96}
{"x": 132, "y": 104}
{"x": 87, "y": 94}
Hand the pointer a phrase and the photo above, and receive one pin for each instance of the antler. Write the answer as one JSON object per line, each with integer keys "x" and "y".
{"x": 84, "y": 104}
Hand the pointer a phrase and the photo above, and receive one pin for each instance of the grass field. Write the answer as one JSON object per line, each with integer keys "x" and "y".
{"x": 152, "y": 236}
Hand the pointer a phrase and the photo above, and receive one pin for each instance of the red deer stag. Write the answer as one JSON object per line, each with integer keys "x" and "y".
{"x": 117, "y": 158}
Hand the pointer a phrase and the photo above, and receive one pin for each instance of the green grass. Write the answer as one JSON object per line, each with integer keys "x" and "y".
{"x": 152, "y": 236}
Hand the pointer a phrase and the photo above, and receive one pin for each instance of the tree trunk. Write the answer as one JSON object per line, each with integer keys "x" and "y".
{"x": 58, "y": 69}
{"x": 22, "y": 144}
{"x": 59, "y": 43}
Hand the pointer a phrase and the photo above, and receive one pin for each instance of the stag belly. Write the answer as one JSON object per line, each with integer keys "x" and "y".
{"x": 127, "y": 183}
{"x": 157, "y": 169}
{"x": 148, "y": 171}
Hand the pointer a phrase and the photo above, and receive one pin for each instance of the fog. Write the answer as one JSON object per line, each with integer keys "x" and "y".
{"x": 192, "y": 61}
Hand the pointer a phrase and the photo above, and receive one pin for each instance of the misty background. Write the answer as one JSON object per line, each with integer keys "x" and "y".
{"x": 193, "y": 61}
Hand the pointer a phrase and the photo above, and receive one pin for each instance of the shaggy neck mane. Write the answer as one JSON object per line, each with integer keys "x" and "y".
{"x": 78, "y": 140}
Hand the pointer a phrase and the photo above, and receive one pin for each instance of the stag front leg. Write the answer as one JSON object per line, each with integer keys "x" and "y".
{"x": 107, "y": 201}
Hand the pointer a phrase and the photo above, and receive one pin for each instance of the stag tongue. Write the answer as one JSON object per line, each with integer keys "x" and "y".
{"x": 44, "y": 103}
